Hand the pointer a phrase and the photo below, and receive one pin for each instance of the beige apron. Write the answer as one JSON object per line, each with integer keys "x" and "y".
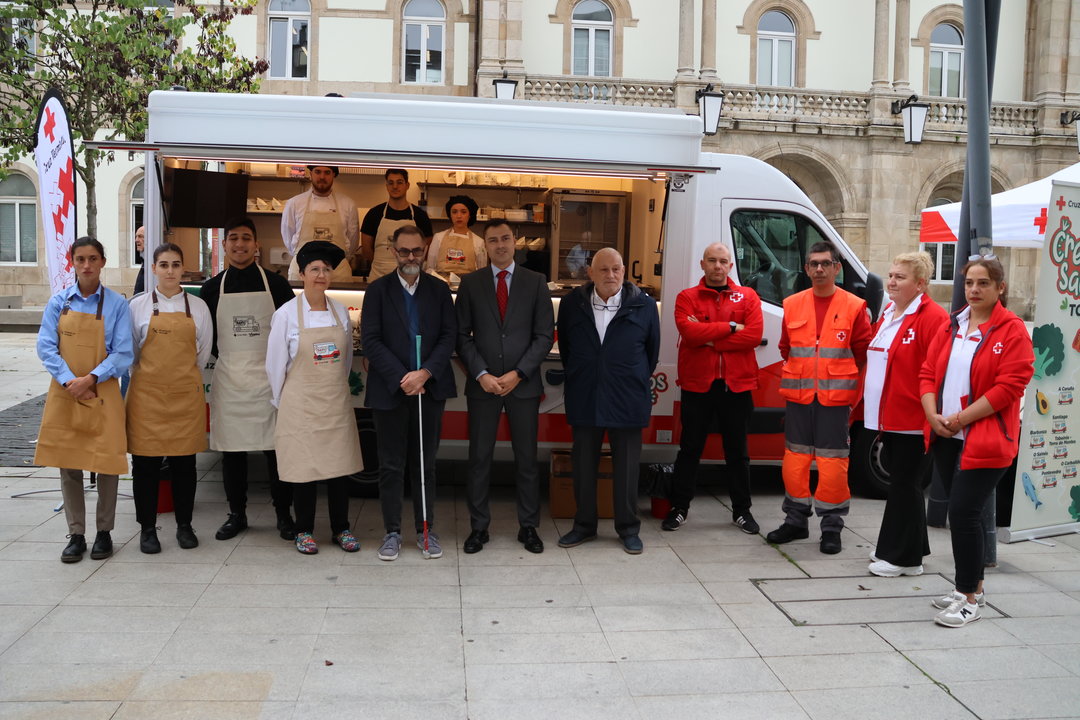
{"x": 166, "y": 408}
{"x": 384, "y": 259}
{"x": 241, "y": 414}
{"x": 457, "y": 254}
{"x": 328, "y": 226}
{"x": 83, "y": 434}
{"x": 316, "y": 434}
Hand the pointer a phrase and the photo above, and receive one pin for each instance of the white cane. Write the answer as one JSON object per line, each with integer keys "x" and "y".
{"x": 423, "y": 475}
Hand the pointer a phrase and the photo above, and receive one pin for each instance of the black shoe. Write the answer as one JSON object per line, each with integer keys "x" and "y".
{"x": 575, "y": 538}
{"x": 746, "y": 522}
{"x": 234, "y": 525}
{"x": 632, "y": 544}
{"x": 830, "y": 542}
{"x": 185, "y": 537}
{"x": 285, "y": 527}
{"x": 102, "y": 546}
{"x": 476, "y": 541}
{"x": 675, "y": 519}
{"x": 786, "y": 533}
{"x": 527, "y": 536}
{"x": 75, "y": 548}
{"x": 148, "y": 541}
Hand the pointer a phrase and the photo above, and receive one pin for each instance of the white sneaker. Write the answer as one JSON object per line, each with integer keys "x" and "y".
{"x": 955, "y": 596}
{"x": 884, "y": 568}
{"x": 873, "y": 556}
{"x": 959, "y": 614}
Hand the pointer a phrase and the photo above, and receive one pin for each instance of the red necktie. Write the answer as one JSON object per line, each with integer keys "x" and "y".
{"x": 502, "y": 294}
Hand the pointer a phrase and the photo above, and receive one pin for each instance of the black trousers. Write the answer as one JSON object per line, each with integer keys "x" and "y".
{"x": 523, "y": 415}
{"x": 902, "y": 539}
{"x": 399, "y": 447}
{"x": 625, "y": 457}
{"x": 968, "y": 492}
{"x": 732, "y": 411}
{"x": 146, "y": 479}
{"x": 234, "y": 467}
{"x": 337, "y": 503}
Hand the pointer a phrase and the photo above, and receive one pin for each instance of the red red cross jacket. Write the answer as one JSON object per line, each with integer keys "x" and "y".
{"x": 1000, "y": 370}
{"x": 731, "y": 355}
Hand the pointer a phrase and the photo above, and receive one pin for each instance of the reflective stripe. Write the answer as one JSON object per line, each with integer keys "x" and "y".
{"x": 835, "y": 384}
{"x": 829, "y": 352}
{"x": 825, "y": 507}
{"x": 797, "y": 383}
{"x": 801, "y": 352}
{"x": 831, "y": 452}
{"x": 800, "y": 449}
{"x": 799, "y": 501}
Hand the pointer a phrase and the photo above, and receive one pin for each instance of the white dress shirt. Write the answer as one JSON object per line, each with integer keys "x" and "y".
{"x": 604, "y": 311}
{"x": 142, "y": 309}
{"x": 958, "y": 374}
{"x": 284, "y": 339}
{"x": 877, "y": 360}
{"x": 292, "y": 217}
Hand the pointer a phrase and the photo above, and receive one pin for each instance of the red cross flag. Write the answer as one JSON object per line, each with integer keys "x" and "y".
{"x": 56, "y": 188}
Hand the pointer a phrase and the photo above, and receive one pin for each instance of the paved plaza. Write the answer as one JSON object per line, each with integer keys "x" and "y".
{"x": 708, "y": 623}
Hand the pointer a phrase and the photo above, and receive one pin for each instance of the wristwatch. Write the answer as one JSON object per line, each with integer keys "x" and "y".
{"x": 734, "y": 327}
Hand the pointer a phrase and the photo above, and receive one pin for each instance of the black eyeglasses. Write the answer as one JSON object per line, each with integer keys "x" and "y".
{"x": 406, "y": 252}
{"x": 823, "y": 264}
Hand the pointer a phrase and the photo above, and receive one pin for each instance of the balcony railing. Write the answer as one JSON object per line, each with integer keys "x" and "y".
{"x": 1020, "y": 118}
{"x": 607, "y": 91}
{"x": 746, "y": 102}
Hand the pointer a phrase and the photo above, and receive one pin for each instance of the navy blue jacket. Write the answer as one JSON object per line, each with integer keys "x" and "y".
{"x": 608, "y": 385}
{"x": 391, "y": 351}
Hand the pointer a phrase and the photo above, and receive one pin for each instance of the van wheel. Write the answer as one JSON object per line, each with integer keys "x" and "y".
{"x": 867, "y": 468}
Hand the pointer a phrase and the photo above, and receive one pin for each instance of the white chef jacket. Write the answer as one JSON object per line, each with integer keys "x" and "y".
{"x": 292, "y": 217}
{"x": 877, "y": 360}
{"x": 284, "y": 339}
{"x": 958, "y": 373}
{"x": 603, "y": 311}
{"x": 142, "y": 308}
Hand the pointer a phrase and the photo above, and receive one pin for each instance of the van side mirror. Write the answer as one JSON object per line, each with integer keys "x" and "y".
{"x": 875, "y": 291}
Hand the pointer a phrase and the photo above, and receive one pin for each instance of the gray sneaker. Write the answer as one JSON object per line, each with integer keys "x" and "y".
{"x": 943, "y": 602}
{"x": 434, "y": 548}
{"x": 391, "y": 546}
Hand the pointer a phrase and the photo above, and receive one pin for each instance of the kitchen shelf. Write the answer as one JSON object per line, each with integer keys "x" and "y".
{"x": 466, "y": 186}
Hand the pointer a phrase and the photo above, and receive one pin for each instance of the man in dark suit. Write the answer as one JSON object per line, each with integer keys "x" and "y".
{"x": 399, "y": 308}
{"x": 505, "y": 330}
{"x": 609, "y": 343}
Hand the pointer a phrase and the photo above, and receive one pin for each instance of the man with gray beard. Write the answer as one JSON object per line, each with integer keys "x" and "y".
{"x": 400, "y": 310}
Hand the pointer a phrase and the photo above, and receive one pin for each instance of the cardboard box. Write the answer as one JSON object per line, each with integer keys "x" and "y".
{"x": 561, "y": 486}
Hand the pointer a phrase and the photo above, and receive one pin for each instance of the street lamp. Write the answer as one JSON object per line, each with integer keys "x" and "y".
{"x": 505, "y": 88}
{"x": 914, "y": 113}
{"x": 1069, "y": 117}
{"x": 709, "y": 106}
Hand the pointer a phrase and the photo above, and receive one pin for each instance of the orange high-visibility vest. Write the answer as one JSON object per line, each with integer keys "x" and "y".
{"x": 823, "y": 367}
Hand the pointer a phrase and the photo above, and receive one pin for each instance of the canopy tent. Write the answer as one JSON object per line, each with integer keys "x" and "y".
{"x": 1019, "y": 215}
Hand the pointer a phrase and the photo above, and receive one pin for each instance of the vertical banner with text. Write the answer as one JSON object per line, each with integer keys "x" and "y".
{"x": 53, "y": 153}
{"x": 1046, "y": 499}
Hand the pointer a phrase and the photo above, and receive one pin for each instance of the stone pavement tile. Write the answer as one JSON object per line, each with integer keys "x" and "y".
{"x": 236, "y": 649}
{"x": 553, "y": 647}
{"x": 756, "y": 614}
{"x": 698, "y": 677}
{"x": 859, "y": 587}
{"x": 647, "y": 573}
{"x": 136, "y": 593}
{"x": 401, "y": 596}
{"x": 9, "y": 533}
{"x": 734, "y": 591}
{"x": 516, "y": 556}
{"x": 285, "y": 556}
{"x": 35, "y": 592}
{"x": 1042, "y": 604}
{"x": 381, "y": 710}
{"x": 722, "y": 533}
{"x": 728, "y": 571}
{"x": 561, "y": 708}
{"x": 1067, "y": 656}
{"x": 256, "y": 621}
{"x": 108, "y": 619}
{"x": 432, "y": 573}
{"x": 50, "y": 570}
{"x": 54, "y": 648}
{"x": 1068, "y": 580}
{"x": 721, "y": 553}
{"x": 998, "y": 581}
{"x": 17, "y": 619}
{"x": 73, "y": 681}
{"x": 926, "y": 635}
{"x": 200, "y": 710}
{"x": 274, "y": 575}
{"x": 811, "y": 640}
{"x": 616, "y": 618}
{"x": 881, "y": 703}
{"x": 613, "y": 554}
{"x": 247, "y": 682}
{"x": 822, "y": 672}
{"x": 163, "y": 572}
{"x": 1042, "y": 631}
{"x": 832, "y": 566}
{"x": 519, "y": 576}
{"x": 438, "y": 649}
{"x": 870, "y": 610}
{"x": 991, "y": 663}
{"x": 263, "y": 596}
{"x": 491, "y": 596}
{"x": 405, "y": 621}
{"x": 381, "y": 681}
{"x": 744, "y": 706}
{"x": 1044, "y": 562}
{"x": 1024, "y": 698}
{"x": 58, "y": 710}
{"x": 483, "y": 621}
{"x": 679, "y": 645}
{"x": 534, "y": 681}
{"x": 623, "y": 593}
{"x": 22, "y": 550}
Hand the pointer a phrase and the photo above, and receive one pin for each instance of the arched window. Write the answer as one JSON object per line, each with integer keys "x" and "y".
{"x": 776, "y": 50}
{"x": 135, "y": 214}
{"x": 289, "y": 38}
{"x": 945, "y": 78}
{"x": 18, "y": 220}
{"x": 592, "y": 25}
{"x": 424, "y": 41}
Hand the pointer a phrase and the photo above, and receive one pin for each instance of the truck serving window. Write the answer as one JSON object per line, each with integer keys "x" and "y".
{"x": 770, "y": 251}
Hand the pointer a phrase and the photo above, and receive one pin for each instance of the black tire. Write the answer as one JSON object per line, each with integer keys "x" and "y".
{"x": 867, "y": 471}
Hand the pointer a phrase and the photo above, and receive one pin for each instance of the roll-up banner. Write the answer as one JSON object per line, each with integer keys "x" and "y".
{"x": 1046, "y": 499}
{"x": 53, "y": 152}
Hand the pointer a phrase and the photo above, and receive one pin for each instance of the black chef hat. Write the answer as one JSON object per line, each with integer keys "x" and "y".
{"x": 332, "y": 167}
{"x": 465, "y": 200}
{"x": 328, "y": 252}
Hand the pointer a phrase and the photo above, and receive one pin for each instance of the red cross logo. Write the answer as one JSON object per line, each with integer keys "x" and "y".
{"x": 841, "y": 335}
{"x": 736, "y": 297}
{"x": 66, "y": 186}
{"x": 1040, "y": 222}
{"x": 909, "y": 337}
{"x": 1060, "y": 202}
{"x": 50, "y": 124}
{"x": 998, "y": 347}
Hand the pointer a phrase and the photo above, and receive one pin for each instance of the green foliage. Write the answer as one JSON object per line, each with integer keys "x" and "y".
{"x": 1049, "y": 350}
{"x": 105, "y": 56}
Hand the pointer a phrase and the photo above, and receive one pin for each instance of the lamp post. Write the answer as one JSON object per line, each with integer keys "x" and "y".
{"x": 505, "y": 88}
{"x": 1069, "y": 117}
{"x": 914, "y": 114}
{"x": 710, "y": 104}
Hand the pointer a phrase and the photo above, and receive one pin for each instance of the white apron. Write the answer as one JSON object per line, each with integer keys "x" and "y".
{"x": 384, "y": 259}
{"x": 316, "y": 435}
{"x": 241, "y": 414}
{"x": 328, "y": 226}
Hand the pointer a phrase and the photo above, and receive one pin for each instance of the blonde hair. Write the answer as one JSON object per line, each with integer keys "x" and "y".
{"x": 921, "y": 264}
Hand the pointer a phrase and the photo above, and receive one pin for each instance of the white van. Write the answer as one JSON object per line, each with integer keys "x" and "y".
{"x": 638, "y": 176}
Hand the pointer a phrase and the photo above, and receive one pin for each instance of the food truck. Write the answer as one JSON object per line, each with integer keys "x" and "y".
{"x": 570, "y": 178}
